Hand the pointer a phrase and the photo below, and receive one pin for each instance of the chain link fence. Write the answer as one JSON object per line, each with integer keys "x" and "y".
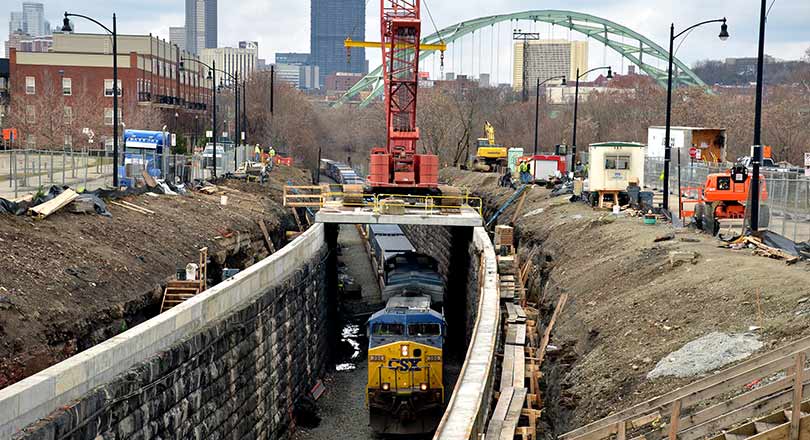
{"x": 24, "y": 172}
{"x": 788, "y": 196}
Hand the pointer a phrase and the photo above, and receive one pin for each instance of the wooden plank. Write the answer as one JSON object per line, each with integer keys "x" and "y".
{"x": 547, "y": 335}
{"x": 621, "y": 433}
{"x": 520, "y": 336}
{"x": 744, "y": 413}
{"x": 520, "y": 312}
{"x": 511, "y": 334}
{"x": 507, "y": 367}
{"x": 674, "y": 420}
{"x": 148, "y": 211}
{"x": 519, "y": 370}
{"x": 798, "y": 386}
{"x": 511, "y": 313}
{"x": 519, "y": 208}
{"x": 499, "y": 414}
{"x": 55, "y": 204}
{"x": 150, "y": 181}
{"x": 513, "y": 415}
{"x": 606, "y": 426}
{"x": 267, "y": 242}
{"x": 297, "y": 220}
{"x": 736, "y": 403}
{"x": 139, "y": 211}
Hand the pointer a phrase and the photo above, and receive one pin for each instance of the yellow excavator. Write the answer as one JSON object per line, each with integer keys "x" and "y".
{"x": 490, "y": 156}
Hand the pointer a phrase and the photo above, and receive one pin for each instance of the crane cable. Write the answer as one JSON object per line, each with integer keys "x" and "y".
{"x": 356, "y": 25}
{"x": 441, "y": 39}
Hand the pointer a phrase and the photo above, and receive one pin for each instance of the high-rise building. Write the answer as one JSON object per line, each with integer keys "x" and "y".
{"x": 546, "y": 59}
{"x": 298, "y": 59}
{"x": 201, "y": 25}
{"x": 177, "y": 35}
{"x": 15, "y": 22}
{"x": 233, "y": 60}
{"x": 34, "y": 19}
{"x": 331, "y": 22}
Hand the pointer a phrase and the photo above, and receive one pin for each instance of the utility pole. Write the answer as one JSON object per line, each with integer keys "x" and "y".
{"x": 756, "y": 158}
{"x": 519, "y": 35}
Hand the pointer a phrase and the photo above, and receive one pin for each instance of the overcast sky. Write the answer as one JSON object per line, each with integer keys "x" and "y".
{"x": 283, "y": 25}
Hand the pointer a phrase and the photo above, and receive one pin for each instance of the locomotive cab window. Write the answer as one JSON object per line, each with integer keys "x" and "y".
{"x": 388, "y": 330}
{"x": 424, "y": 330}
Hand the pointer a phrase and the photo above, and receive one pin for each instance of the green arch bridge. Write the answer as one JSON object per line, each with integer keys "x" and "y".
{"x": 611, "y": 34}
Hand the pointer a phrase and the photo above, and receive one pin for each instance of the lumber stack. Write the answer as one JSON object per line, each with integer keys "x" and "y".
{"x": 51, "y": 206}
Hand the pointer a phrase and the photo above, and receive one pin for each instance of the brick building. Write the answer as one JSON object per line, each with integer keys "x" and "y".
{"x": 60, "y": 96}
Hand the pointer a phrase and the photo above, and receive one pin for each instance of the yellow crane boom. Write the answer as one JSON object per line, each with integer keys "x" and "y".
{"x": 376, "y": 44}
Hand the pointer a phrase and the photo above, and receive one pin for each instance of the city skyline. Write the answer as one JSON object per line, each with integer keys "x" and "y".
{"x": 787, "y": 37}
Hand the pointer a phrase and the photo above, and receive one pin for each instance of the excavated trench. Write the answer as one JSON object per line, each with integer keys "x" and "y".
{"x": 341, "y": 411}
{"x": 239, "y": 251}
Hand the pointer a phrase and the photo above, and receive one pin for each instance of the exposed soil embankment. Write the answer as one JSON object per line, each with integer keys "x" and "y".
{"x": 71, "y": 281}
{"x": 633, "y": 301}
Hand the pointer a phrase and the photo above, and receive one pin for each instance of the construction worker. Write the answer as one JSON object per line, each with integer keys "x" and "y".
{"x": 525, "y": 176}
{"x": 257, "y": 153}
{"x": 506, "y": 180}
{"x": 272, "y": 154}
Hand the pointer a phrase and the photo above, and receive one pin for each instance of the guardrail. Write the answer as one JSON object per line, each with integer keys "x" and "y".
{"x": 316, "y": 197}
{"x": 710, "y": 405}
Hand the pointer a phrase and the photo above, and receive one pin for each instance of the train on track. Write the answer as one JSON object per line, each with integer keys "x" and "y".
{"x": 405, "y": 388}
{"x": 341, "y": 173}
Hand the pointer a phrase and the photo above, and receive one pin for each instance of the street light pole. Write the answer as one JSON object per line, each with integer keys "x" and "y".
{"x": 756, "y": 158}
{"x": 667, "y": 144}
{"x": 66, "y": 27}
{"x": 576, "y": 108}
{"x": 236, "y": 120}
{"x": 537, "y": 110}
{"x": 214, "y": 112}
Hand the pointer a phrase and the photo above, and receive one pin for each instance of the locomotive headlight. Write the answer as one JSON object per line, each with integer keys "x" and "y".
{"x": 404, "y": 350}
{"x": 423, "y": 386}
{"x": 386, "y": 386}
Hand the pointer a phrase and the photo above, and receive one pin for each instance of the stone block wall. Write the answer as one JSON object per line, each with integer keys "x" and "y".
{"x": 237, "y": 378}
{"x": 459, "y": 263}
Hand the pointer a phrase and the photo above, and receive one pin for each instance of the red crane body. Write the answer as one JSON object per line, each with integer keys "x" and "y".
{"x": 398, "y": 165}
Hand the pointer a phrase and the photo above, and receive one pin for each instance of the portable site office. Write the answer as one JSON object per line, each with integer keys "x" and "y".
{"x": 613, "y": 165}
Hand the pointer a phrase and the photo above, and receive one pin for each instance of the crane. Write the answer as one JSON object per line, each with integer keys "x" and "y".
{"x": 397, "y": 165}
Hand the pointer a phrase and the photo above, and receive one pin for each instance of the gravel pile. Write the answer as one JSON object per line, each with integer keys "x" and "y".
{"x": 706, "y": 354}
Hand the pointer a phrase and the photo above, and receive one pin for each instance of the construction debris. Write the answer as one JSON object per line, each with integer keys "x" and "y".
{"x": 44, "y": 210}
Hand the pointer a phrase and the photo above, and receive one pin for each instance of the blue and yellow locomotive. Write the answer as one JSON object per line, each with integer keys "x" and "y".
{"x": 405, "y": 389}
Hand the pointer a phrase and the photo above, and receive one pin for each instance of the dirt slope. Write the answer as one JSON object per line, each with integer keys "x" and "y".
{"x": 71, "y": 281}
{"x": 629, "y": 305}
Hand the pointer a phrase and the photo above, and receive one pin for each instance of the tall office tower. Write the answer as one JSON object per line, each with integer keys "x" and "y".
{"x": 34, "y": 19}
{"x": 331, "y": 22}
{"x": 546, "y": 59}
{"x": 177, "y": 35}
{"x": 201, "y": 25}
{"x": 15, "y": 22}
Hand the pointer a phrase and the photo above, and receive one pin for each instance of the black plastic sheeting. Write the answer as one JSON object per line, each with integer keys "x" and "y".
{"x": 774, "y": 240}
{"x": 97, "y": 196}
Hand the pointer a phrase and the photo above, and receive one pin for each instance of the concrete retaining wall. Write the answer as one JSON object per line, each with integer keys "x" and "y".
{"x": 468, "y": 409}
{"x": 230, "y": 362}
{"x": 474, "y": 301}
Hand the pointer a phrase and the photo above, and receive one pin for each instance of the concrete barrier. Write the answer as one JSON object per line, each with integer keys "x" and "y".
{"x": 40, "y": 395}
{"x": 466, "y": 412}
